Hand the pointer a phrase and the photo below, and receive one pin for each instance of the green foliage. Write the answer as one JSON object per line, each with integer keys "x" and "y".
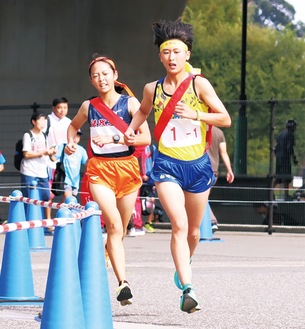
{"x": 278, "y": 14}
{"x": 275, "y": 66}
{"x": 258, "y": 158}
{"x": 275, "y": 13}
{"x": 216, "y": 48}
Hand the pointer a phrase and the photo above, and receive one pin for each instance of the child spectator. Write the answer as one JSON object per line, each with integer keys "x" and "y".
{"x": 148, "y": 189}
{"x": 37, "y": 154}
{"x": 2, "y": 161}
{"x": 72, "y": 164}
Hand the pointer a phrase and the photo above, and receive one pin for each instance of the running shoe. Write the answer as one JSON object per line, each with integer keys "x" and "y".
{"x": 139, "y": 231}
{"x": 131, "y": 232}
{"x": 123, "y": 294}
{"x": 188, "y": 300}
{"x": 149, "y": 228}
{"x": 49, "y": 230}
{"x": 38, "y": 317}
{"x": 104, "y": 232}
{"x": 214, "y": 225}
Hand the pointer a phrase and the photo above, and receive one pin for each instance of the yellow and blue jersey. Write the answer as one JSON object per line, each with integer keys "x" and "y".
{"x": 182, "y": 139}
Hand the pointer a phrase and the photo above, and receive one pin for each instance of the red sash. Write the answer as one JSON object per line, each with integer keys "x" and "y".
{"x": 113, "y": 118}
{"x": 170, "y": 107}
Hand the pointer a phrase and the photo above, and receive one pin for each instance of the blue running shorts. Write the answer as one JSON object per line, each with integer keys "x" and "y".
{"x": 193, "y": 176}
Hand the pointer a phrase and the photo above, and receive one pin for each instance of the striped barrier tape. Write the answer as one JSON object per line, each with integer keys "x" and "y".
{"x": 24, "y": 225}
{"x": 45, "y": 204}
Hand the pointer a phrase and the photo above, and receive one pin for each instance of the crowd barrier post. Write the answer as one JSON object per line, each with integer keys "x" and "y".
{"x": 36, "y": 235}
{"x": 77, "y": 224}
{"x": 16, "y": 278}
{"x": 63, "y": 307}
{"x": 206, "y": 232}
{"x": 93, "y": 274}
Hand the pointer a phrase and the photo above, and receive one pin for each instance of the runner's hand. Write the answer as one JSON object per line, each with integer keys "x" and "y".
{"x": 183, "y": 111}
{"x": 129, "y": 137}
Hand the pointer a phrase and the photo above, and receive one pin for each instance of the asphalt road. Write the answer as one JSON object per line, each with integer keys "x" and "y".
{"x": 246, "y": 281}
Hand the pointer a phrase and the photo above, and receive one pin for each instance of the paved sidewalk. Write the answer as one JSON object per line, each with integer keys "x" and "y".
{"x": 17, "y": 319}
{"x": 247, "y": 281}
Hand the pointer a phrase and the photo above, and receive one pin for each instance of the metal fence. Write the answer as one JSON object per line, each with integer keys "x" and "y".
{"x": 253, "y": 199}
{"x": 250, "y": 139}
{"x": 264, "y": 119}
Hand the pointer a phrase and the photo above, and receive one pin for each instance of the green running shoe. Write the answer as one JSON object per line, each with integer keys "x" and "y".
{"x": 149, "y": 228}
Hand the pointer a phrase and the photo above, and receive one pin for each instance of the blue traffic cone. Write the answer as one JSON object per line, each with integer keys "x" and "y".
{"x": 93, "y": 274}
{"x": 36, "y": 235}
{"x": 77, "y": 225}
{"x": 63, "y": 306}
{"x": 16, "y": 279}
{"x": 206, "y": 232}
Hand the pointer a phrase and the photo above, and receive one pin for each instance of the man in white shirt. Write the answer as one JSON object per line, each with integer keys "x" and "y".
{"x": 56, "y": 129}
{"x": 58, "y": 122}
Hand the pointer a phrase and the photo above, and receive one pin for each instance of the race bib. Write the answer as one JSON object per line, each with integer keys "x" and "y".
{"x": 107, "y": 148}
{"x": 182, "y": 132}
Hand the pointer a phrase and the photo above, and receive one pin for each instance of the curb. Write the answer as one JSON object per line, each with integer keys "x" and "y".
{"x": 244, "y": 228}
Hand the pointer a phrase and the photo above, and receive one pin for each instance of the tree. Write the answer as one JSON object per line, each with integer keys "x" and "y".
{"x": 275, "y": 13}
{"x": 275, "y": 69}
{"x": 278, "y": 14}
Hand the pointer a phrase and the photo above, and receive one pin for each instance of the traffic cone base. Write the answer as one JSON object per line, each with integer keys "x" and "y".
{"x": 63, "y": 307}
{"x": 206, "y": 232}
{"x": 94, "y": 283}
{"x": 20, "y": 301}
{"x": 16, "y": 278}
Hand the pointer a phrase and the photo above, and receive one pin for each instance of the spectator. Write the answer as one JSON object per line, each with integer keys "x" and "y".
{"x": 37, "y": 155}
{"x": 2, "y": 161}
{"x": 58, "y": 122}
{"x": 112, "y": 171}
{"x": 284, "y": 152}
{"x": 148, "y": 189}
{"x": 279, "y": 218}
{"x": 135, "y": 226}
{"x": 182, "y": 170}
{"x": 219, "y": 147}
{"x": 72, "y": 164}
{"x": 56, "y": 130}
